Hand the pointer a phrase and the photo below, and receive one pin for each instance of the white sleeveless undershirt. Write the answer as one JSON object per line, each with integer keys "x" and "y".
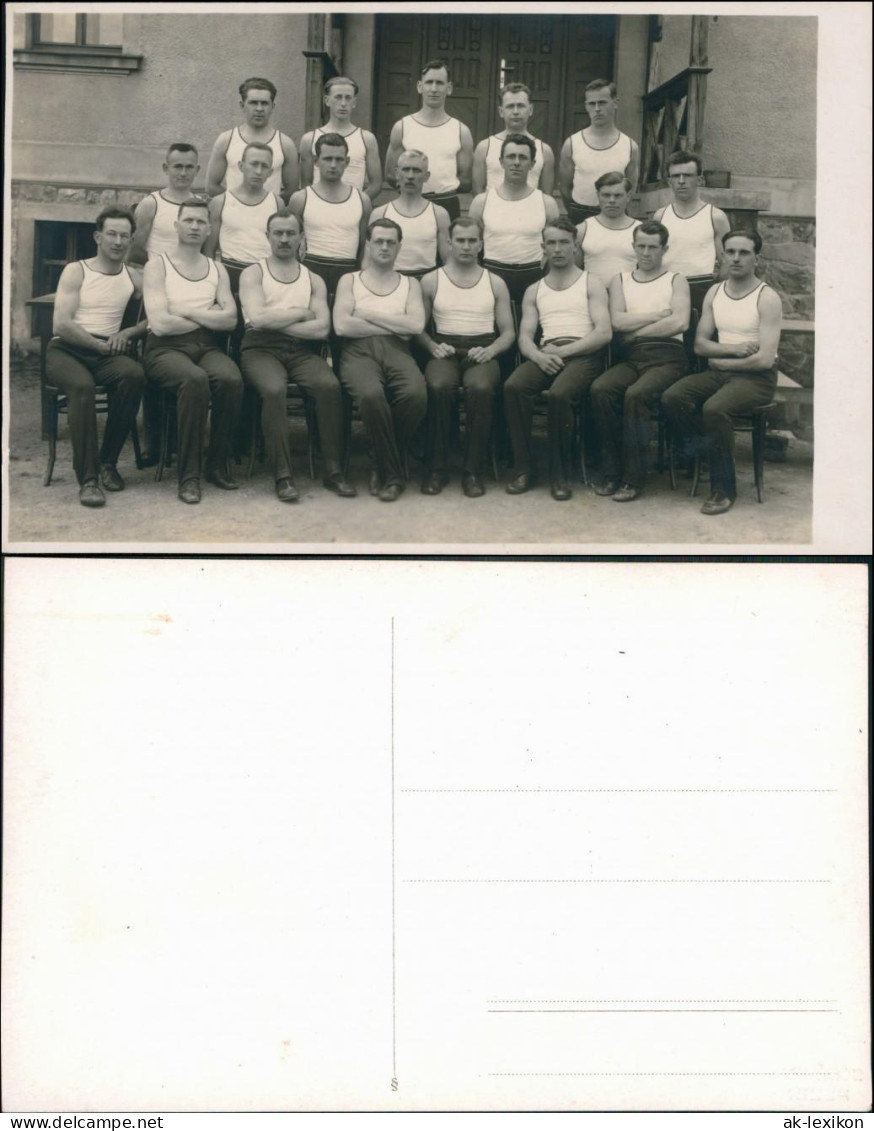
{"x": 513, "y": 228}
{"x": 200, "y": 293}
{"x": 356, "y": 170}
{"x": 332, "y": 230}
{"x": 691, "y": 249}
{"x": 419, "y": 246}
{"x": 162, "y": 235}
{"x": 737, "y": 319}
{"x": 495, "y": 170}
{"x": 441, "y": 144}
{"x": 564, "y": 314}
{"x": 102, "y": 300}
{"x": 590, "y": 164}
{"x": 607, "y": 251}
{"x": 647, "y": 298}
{"x": 243, "y": 236}
{"x": 279, "y": 295}
{"x": 234, "y": 154}
{"x": 366, "y": 302}
{"x": 463, "y": 311}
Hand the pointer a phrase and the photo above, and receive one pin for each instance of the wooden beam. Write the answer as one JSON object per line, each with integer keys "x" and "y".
{"x": 698, "y": 47}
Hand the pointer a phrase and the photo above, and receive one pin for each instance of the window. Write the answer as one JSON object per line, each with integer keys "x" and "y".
{"x": 57, "y": 243}
{"x": 91, "y": 29}
{"x": 92, "y": 42}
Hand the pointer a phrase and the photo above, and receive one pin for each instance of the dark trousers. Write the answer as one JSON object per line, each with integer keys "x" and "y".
{"x": 517, "y": 276}
{"x": 194, "y": 366}
{"x": 389, "y": 390}
{"x": 447, "y": 200}
{"x": 443, "y": 376}
{"x": 269, "y": 360}
{"x": 235, "y": 270}
{"x": 623, "y": 400}
{"x": 566, "y": 390}
{"x": 77, "y": 373}
{"x": 700, "y": 408}
{"x": 579, "y": 212}
{"x": 330, "y": 271}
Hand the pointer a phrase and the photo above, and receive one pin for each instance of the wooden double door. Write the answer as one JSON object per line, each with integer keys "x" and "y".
{"x": 554, "y": 55}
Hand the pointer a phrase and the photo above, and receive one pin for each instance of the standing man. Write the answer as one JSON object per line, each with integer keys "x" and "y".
{"x": 649, "y": 307}
{"x": 739, "y": 334}
{"x": 425, "y": 225}
{"x": 377, "y": 311}
{"x": 515, "y": 110}
{"x": 513, "y": 217}
{"x": 285, "y": 308}
{"x": 606, "y": 239}
{"x": 599, "y": 148}
{"x": 695, "y": 228}
{"x": 155, "y": 214}
{"x": 446, "y": 141}
{"x": 90, "y": 349}
{"x": 188, "y": 298}
{"x": 570, "y": 306}
{"x": 257, "y": 99}
{"x": 364, "y": 170}
{"x": 472, "y": 325}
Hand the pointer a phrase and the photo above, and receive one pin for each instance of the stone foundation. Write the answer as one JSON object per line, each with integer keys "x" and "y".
{"x": 98, "y": 195}
{"x": 788, "y": 262}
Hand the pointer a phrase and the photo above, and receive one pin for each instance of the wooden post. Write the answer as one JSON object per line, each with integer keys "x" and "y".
{"x": 315, "y": 68}
{"x": 697, "y": 84}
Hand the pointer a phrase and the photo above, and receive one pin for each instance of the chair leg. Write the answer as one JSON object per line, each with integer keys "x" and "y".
{"x": 135, "y": 438}
{"x": 165, "y": 438}
{"x": 672, "y": 457}
{"x": 696, "y": 474}
{"x": 52, "y": 422}
{"x": 254, "y": 425}
{"x": 582, "y": 446}
{"x": 347, "y": 432}
{"x": 759, "y": 427}
{"x": 312, "y": 424}
{"x": 660, "y": 424}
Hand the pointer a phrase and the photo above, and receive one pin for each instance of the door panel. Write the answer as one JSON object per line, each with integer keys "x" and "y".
{"x": 467, "y": 42}
{"x": 530, "y": 51}
{"x": 398, "y": 62}
{"x": 590, "y": 56}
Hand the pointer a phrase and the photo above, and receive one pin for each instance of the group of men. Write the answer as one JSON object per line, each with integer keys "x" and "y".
{"x": 397, "y": 306}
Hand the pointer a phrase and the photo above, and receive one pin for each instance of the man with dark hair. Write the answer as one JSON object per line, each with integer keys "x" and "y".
{"x": 598, "y": 148}
{"x": 606, "y": 239}
{"x": 188, "y": 299}
{"x": 696, "y": 228}
{"x": 155, "y": 214}
{"x": 364, "y": 170}
{"x": 570, "y": 307}
{"x": 376, "y": 312}
{"x": 513, "y": 217}
{"x": 649, "y": 308}
{"x": 446, "y": 141}
{"x": 515, "y": 109}
{"x": 472, "y": 327}
{"x": 425, "y": 225}
{"x": 91, "y": 350}
{"x": 739, "y": 334}
{"x": 285, "y": 308}
{"x": 257, "y": 99}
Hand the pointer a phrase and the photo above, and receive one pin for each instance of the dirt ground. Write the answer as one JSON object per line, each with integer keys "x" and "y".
{"x": 148, "y": 513}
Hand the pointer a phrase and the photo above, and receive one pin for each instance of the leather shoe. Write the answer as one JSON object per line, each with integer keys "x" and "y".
{"x": 110, "y": 480}
{"x": 434, "y": 483}
{"x": 520, "y": 484}
{"x": 626, "y": 493}
{"x": 560, "y": 490}
{"x": 339, "y": 486}
{"x": 608, "y": 487}
{"x": 473, "y": 486}
{"x": 189, "y": 491}
{"x": 390, "y": 492}
{"x": 286, "y": 491}
{"x": 717, "y": 504}
{"x": 375, "y": 483}
{"x": 90, "y": 494}
{"x": 219, "y": 479}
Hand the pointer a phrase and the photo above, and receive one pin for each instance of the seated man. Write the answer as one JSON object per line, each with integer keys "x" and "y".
{"x": 91, "y": 349}
{"x": 285, "y": 308}
{"x": 606, "y": 239}
{"x": 473, "y": 325}
{"x": 425, "y": 225}
{"x": 744, "y": 316}
{"x": 570, "y": 306}
{"x": 377, "y": 311}
{"x": 649, "y": 307}
{"x": 188, "y": 298}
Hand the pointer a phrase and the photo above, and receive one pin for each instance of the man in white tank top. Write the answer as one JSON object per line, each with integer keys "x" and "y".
{"x": 472, "y": 327}
{"x": 649, "y": 309}
{"x": 286, "y": 312}
{"x": 570, "y": 308}
{"x": 599, "y": 148}
{"x": 606, "y": 239}
{"x": 446, "y": 140}
{"x": 188, "y": 301}
{"x": 515, "y": 110}
{"x": 258, "y": 100}
{"x": 513, "y": 216}
{"x": 425, "y": 225}
{"x": 365, "y": 168}
{"x": 739, "y": 335}
{"x": 155, "y": 214}
{"x": 695, "y": 227}
{"x": 376, "y": 312}
{"x": 91, "y": 349}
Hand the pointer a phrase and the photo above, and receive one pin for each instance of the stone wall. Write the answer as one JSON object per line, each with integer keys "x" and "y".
{"x": 98, "y": 195}
{"x": 788, "y": 261}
